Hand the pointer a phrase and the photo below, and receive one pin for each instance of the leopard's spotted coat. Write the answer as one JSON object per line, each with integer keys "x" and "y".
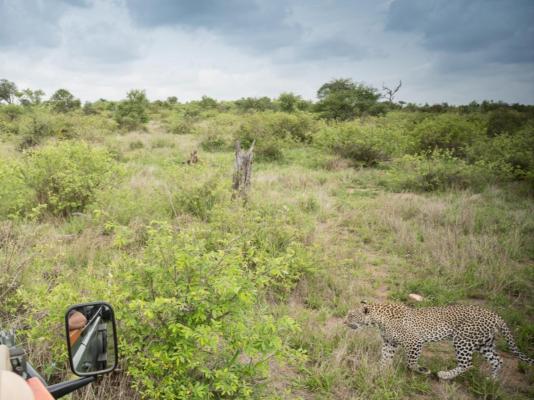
{"x": 471, "y": 328}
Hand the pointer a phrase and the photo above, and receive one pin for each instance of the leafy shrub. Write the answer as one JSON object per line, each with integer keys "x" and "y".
{"x": 290, "y": 102}
{"x": 180, "y": 125}
{"x": 363, "y": 144}
{"x": 37, "y": 125}
{"x": 249, "y": 104}
{"x": 214, "y": 142}
{"x": 505, "y": 121}
{"x": 132, "y": 113}
{"x": 274, "y": 131}
{"x": 511, "y": 157}
{"x": 11, "y": 112}
{"x": 63, "y": 101}
{"x": 217, "y": 133}
{"x": 447, "y": 131}
{"x": 297, "y": 127}
{"x": 365, "y": 154}
{"x": 136, "y": 144}
{"x": 64, "y": 176}
{"x": 269, "y": 151}
{"x": 192, "y": 326}
{"x": 88, "y": 127}
{"x": 439, "y": 172}
{"x": 15, "y": 194}
{"x": 198, "y": 199}
{"x": 207, "y": 102}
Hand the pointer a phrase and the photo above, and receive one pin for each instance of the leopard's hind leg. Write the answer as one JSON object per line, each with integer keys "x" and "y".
{"x": 464, "y": 356}
{"x": 489, "y": 353}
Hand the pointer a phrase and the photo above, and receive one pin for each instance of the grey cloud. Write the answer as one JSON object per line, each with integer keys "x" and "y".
{"x": 498, "y": 30}
{"x": 33, "y": 22}
{"x": 258, "y": 25}
{"x": 102, "y": 33}
{"x": 333, "y": 47}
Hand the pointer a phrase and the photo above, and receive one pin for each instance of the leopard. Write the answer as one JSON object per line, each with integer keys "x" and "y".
{"x": 470, "y": 327}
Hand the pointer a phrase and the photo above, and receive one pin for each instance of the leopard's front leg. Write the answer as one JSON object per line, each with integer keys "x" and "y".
{"x": 413, "y": 351}
{"x": 388, "y": 352}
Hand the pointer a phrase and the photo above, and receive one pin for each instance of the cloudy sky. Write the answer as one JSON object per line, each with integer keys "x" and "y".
{"x": 442, "y": 50}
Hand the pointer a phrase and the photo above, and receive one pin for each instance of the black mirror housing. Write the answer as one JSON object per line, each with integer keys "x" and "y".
{"x": 91, "y": 338}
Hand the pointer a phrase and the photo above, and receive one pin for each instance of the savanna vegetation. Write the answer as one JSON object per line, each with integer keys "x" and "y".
{"x": 217, "y": 298}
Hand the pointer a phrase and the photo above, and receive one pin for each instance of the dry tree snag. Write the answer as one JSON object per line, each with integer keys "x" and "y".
{"x": 389, "y": 94}
{"x": 243, "y": 170}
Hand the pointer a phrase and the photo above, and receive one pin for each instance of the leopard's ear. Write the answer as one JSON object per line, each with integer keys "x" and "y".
{"x": 364, "y": 302}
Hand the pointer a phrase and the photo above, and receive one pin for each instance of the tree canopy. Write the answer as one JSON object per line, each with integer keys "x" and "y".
{"x": 63, "y": 101}
{"x": 8, "y": 91}
{"x": 344, "y": 99}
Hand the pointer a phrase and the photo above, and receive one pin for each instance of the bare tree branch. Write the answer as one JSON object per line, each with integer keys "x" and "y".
{"x": 389, "y": 94}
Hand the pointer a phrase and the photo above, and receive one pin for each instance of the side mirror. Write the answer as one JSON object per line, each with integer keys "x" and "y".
{"x": 91, "y": 338}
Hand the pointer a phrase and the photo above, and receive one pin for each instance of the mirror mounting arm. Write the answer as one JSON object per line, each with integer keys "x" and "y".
{"x": 61, "y": 389}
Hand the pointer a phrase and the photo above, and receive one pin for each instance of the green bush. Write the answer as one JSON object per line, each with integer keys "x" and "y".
{"x": 364, "y": 144}
{"x": 343, "y": 99}
{"x": 511, "y": 157}
{"x": 136, "y": 144}
{"x": 273, "y": 131}
{"x": 290, "y": 102}
{"x": 63, "y": 101}
{"x": 257, "y": 104}
{"x": 214, "y": 142}
{"x": 505, "y": 121}
{"x": 89, "y": 127}
{"x": 37, "y": 125}
{"x": 217, "y": 133}
{"x": 180, "y": 125}
{"x": 440, "y": 171}
{"x": 131, "y": 113}
{"x": 447, "y": 131}
{"x": 192, "y": 327}
{"x": 64, "y": 176}
{"x": 198, "y": 199}
{"x": 365, "y": 154}
{"x": 10, "y": 112}
{"x": 15, "y": 194}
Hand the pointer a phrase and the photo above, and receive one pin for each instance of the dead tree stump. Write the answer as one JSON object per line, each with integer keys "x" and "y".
{"x": 243, "y": 170}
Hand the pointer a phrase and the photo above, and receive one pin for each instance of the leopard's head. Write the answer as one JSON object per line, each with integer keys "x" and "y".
{"x": 359, "y": 317}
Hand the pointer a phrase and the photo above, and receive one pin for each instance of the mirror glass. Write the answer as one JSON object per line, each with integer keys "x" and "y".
{"x": 91, "y": 338}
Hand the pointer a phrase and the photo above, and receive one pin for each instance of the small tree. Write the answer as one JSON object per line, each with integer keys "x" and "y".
{"x": 207, "y": 102}
{"x": 254, "y": 104}
{"x": 343, "y": 99}
{"x": 8, "y": 91}
{"x": 63, "y": 101}
{"x": 290, "y": 102}
{"x": 30, "y": 97}
{"x": 131, "y": 113}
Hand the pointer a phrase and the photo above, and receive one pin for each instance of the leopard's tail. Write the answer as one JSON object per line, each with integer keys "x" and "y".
{"x": 505, "y": 331}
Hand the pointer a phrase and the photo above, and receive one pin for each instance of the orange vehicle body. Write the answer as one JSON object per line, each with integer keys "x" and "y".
{"x": 39, "y": 390}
